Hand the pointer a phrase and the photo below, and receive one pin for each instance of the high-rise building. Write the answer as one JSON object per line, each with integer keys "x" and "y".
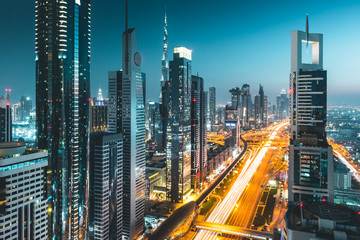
{"x": 245, "y": 109}
{"x": 25, "y": 108}
{"x": 98, "y": 114}
{"x": 212, "y": 106}
{"x": 133, "y": 131}
{"x": 198, "y": 132}
{"x": 62, "y": 34}
{"x": 178, "y": 151}
{"x": 5, "y": 118}
{"x": 260, "y": 108}
{"x": 105, "y": 196}
{"x": 115, "y": 102}
{"x": 23, "y": 199}
{"x": 155, "y": 125}
{"x": 266, "y": 109}
{"x": 282, "y": 106}
{"x": 235, "y": 97}
{"x": 164, "y": 62}
{"x": 310, "y": 156}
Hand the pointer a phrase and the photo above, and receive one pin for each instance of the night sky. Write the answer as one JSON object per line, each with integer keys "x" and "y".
{"x": 233, "y": 42}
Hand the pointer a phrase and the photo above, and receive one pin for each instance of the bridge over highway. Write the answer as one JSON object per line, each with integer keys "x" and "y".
{"x": 232, "y": 230}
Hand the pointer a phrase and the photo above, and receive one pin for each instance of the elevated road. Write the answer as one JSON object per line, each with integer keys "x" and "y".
{"x": 232, "y": 230}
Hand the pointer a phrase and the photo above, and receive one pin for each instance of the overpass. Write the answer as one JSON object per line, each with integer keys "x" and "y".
{"x": 232, "y": 230}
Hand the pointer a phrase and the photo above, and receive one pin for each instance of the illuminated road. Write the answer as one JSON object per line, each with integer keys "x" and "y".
{"x": 222, "y": 211}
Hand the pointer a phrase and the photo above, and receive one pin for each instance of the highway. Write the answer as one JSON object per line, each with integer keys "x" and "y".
{"x": 223, "y": 210}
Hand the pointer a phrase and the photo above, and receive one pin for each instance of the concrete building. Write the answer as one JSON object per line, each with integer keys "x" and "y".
{"x": 106, "y": 190}
{"x": 23, "y": 200}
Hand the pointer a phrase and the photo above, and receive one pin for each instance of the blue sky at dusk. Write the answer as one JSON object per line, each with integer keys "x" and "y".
{"x": 233, "y": 42}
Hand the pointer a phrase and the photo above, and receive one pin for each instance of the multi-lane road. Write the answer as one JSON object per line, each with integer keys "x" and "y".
{"x": 255, "y": 171}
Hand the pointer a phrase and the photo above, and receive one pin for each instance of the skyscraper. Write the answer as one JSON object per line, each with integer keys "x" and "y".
{"x": 178, "y": 152}
{"x": 235, "y": 97}
{"x": 212, "y": 106}
{"x": 198, "y": 132}
{"x": 260, "y": 107}
{"x": 62, "y": 31}
{"x": 98, "y": 114}
{"x": 133, "y": 130}
{"x": 245, "y": 109}
{"x": 105, "y": 203}
{"x": 115, "y": 102}
{"x": 311, "y": 160}
{"x": 25, "y": 108}
{"x": 5, "y": 118}
{"x": 282, "y": 106}
{"x": 164, "y": 62}
{"x": 23, "y": 200}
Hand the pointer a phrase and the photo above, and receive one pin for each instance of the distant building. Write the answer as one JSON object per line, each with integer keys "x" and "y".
{"x": 246, "y": 106}
{"x": 179, "y": 127}
{"x": 106, "y": 190}
{"x": 235, "y": 97}
{"x": 282, "y": 106}
{"x": 115, "y": 102}
{"x": 98, "y": 114}
{"x": 212, "y": 107}
{"x": 260, "y": 108}
{"x": 23, "y": 199}
{"x": 342, "y": 176}
{"x": 155, "y": 125}
{"x": 156, "y": 177}
{"x": 5, "y": 118}
{"x": 25, "y": 108}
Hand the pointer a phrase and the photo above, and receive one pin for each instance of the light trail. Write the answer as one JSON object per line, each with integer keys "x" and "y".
{"x": 348, "y": 165}
{"x": 222, "y": 211}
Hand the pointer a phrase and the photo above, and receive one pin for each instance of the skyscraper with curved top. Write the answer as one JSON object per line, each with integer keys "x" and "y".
{"x": 62, "y": 60}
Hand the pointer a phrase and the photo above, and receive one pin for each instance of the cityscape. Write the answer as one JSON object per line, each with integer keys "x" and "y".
{"x": 144, "y": 120}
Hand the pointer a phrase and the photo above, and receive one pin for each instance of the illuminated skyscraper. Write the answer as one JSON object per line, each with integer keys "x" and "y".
{"x": 212, "y": 106}
{"x": 5, "y": 118}
{"x": 115, "y": 102}
{"x": 311, "y": 159}
{"x": 198, "y": 132}
{"x": 164, "y": 62}
{"x": 178, "y": 151}
{"x": 62, "y": 31}
{"x": 133, "y": 131}
{"x": 245, "y": 109}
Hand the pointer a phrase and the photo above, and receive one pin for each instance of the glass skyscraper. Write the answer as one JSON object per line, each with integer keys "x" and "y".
{"x": 62, "y": 31}
{"x": 178, "y": 150}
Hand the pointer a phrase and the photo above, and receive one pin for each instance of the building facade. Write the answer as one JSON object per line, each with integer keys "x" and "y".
{"x": 105, "y": 203}
{"x": 178, "y": 143}
{"x": 5, "y": 118}
{"x": 311, "y": 170}
{"x": 133, "y": 131}
{"x": 212, "y": 107}
{"x": 62, "y": 57}
{"x": 23, "y": 199}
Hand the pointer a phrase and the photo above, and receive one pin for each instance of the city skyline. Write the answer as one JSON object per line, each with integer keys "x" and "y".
{"x": 249, "y": 33}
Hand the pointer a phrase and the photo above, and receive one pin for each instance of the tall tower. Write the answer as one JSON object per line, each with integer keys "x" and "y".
{"x": 62, "y": 110}
{"x": 311, "y": 158}
{"x": 5, "y": 118}
{"x": 245, "y": 105}
{"x": 164, "y": 62}
{"x": 133, "y": 130}
{"x": 178, "y": 151}
{"x": 212, "y": 106}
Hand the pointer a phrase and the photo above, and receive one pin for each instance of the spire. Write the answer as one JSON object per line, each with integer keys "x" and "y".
{"x": 165, "y": 63}
{"x": 126, "y": 39}
{"x": 307, "y": 32}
